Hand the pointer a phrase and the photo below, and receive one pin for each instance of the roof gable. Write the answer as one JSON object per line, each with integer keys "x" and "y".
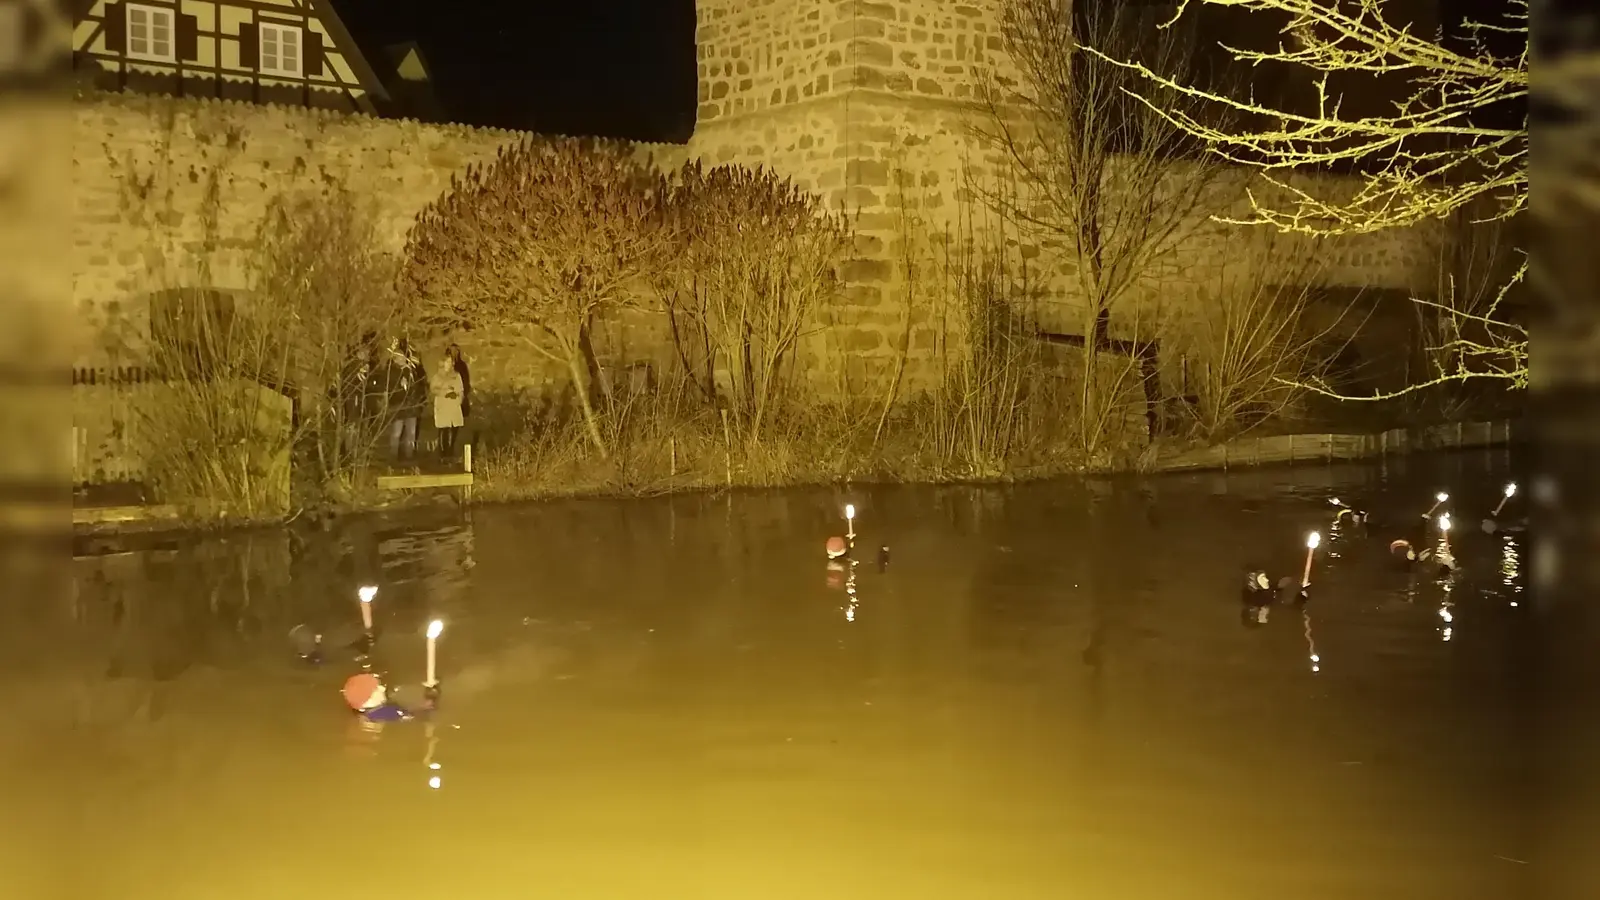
{"x": 347, "y": 45}
{"x": 409, "y": 63}
{"x": 226, "y": 48}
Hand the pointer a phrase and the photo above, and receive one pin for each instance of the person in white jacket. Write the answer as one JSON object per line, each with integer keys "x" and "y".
{"x": 448, "y": 391}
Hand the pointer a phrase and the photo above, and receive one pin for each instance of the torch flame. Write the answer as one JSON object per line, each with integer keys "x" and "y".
{"x": 1441, "y": 496}
{"x": 1313, "y": 540}
{"x": 849, "y": 510}
{"x": 435, "y": 628}
{"x": 367, "y": 592}
{"x": 1511, "y": 488}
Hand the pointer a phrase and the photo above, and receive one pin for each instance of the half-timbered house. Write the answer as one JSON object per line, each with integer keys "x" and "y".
{"x": 293, "y": 52}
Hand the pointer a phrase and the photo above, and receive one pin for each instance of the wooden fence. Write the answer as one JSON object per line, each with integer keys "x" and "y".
{"x": 105, "y": 423}
{"x": 108, "y": 406}
{"x": 1327, "y": 448}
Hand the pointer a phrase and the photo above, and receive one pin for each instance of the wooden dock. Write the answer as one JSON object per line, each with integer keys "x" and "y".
{"x": 413, "y": 481}
{"x": 424, "y": 480}
{"x": 123, "y": 515}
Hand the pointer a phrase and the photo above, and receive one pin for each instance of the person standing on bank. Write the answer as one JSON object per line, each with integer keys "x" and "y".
{"x": 454, "y": 352}
{"x": 408, "y": 394}
{"x": 358, "y": 398}
{"x": 449, "y": 400}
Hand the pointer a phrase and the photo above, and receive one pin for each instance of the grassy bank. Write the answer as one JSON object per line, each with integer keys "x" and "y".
{"x": 830, "y": 446}
{"x": 661, "y": 333}
{"x": 668, "y": 441}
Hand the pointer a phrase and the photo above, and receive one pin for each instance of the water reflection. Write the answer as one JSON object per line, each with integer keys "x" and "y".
{"x": 1511, "y": 567}
{"x": 1034, "y": 700}
{"x": 429, "y": 761}
{"x": 852, "y": 600}
{"x": 1311, "y": 641}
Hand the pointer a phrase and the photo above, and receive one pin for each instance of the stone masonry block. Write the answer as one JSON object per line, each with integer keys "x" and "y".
{"x": 864, "y": 270}
{"x": 860, "y": 340}
{"x": 872, "y": 53}
{"x": 861, "y": 9}
{"x": 867, "y": 172}
{"x": 862, "y": 295}
{"x": 856, "y": 29}
{"x": 854, "y": 197}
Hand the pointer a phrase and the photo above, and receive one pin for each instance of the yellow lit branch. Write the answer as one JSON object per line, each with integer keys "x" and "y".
{"x": 1435, "y": 156}
{"x": 1497, "y": 350}
{"x": 1432, "y": 157}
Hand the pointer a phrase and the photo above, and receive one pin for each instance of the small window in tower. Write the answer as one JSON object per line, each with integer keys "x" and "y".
{"x": 150, "y": 34}
{"x": 280, "y": 50}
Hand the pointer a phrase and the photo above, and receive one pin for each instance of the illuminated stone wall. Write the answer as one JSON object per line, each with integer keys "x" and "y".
{"x": 877, "y": 107}
{"x": 146, "y": 170}
{"x": 872, "y": 105}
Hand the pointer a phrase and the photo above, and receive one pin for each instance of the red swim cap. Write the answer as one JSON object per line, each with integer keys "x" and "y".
{"x": 837, "y": 547}
{"x": 358, "y": 690}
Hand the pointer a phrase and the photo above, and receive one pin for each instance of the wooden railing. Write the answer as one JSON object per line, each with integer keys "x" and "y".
{"x": 104, "y": 424}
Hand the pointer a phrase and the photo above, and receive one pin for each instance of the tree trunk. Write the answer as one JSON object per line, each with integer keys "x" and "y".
{"x": 591, "y": 364}
{"x": 706, "y": 385}
{"x": 580, "y": 385}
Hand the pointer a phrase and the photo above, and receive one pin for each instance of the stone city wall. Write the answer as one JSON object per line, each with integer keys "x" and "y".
{"x": 170, "y": 193}
{"x": 872, "y": 105}
{"x": 152, "y": 175}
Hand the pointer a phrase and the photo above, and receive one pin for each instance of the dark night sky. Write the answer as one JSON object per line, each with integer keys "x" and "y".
{"x": 619, "y": 68}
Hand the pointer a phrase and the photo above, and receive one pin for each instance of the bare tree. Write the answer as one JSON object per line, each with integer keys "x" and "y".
{"x": 539, "y": 242}
{"x": 1442, "y": 149}
{"x": 1258, "y": 341}
{"x": 1472, "y": 261}
{"x": 1119, "y": 183}
{"x": 332, "y": 283}
{"x": 249, "y": 377}
{"x": 755, "y": 257}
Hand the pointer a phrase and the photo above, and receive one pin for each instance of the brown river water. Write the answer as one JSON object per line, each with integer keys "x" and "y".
{"x": 1047, "y": 693}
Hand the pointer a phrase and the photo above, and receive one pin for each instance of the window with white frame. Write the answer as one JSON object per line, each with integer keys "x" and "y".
{"x": 150, "y": 33}
{"x": 280, "y": 50}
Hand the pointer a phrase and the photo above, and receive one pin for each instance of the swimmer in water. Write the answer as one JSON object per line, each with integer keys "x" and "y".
{"x": 367, "y": 696}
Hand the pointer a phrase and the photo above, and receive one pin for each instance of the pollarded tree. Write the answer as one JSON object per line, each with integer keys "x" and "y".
{"x": 1456, "y": 142}
{"x": 539, "y": 241}
{"x": 755, "y": 257}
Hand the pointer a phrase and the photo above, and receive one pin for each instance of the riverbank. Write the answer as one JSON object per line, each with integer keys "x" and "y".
{"x": 511, "y": 478}
{"x": 1328, "y": 448}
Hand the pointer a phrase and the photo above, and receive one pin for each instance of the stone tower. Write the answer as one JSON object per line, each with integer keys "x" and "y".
{"x": 872, "y": 104}
{"x": 868, "y": 104}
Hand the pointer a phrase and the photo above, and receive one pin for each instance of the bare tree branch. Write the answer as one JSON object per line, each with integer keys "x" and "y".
{"x": 1440, "y": 153}
{"x": 1118, "y": 182}
{"x": 755, "y": 257}
{"x": 1433, "y": 155}
{"x": 1113, "y": 176}
{"x": 545, "y": 236}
